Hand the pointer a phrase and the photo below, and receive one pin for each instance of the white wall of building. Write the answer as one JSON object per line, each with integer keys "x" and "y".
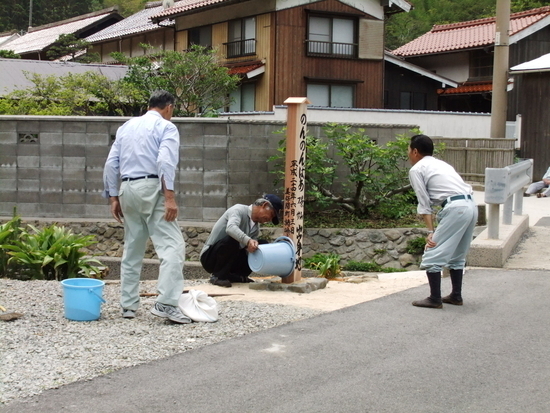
{"x": 443, "y": 124}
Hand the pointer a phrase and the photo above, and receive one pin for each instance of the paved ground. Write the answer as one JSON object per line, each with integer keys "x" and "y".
{"x": 382, "y": 355}
{"x": 490, "y": 355}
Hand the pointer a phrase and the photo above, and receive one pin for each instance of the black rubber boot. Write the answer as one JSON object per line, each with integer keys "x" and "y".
{"x": 455, "y": 297}
{"x": 434, "y": 300}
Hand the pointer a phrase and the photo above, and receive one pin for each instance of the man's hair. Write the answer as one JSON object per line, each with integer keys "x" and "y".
{"x": 423, "y": 144}
{"x": 160, "y": 99}
{"x": 261, "y": 201}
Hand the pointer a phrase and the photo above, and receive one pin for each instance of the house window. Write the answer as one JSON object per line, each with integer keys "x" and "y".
{"x": 201, "y": 36}
{"x": 481, "y": 65}
{"x": 241, "y": 37}
{"x": 244, "y": 98}
{"x": 332, "y": 36}
{"x": 334, "y": 96}
{"x": 413, "y": 100}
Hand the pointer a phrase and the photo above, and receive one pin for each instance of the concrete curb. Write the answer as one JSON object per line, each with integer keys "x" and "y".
{"x": 485, "y": 252}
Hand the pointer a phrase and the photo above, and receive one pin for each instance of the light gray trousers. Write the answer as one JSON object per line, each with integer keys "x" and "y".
{"x": 536, "y": 187}
{"x": 143, "y": 207}
{"x": 453, "y": 236}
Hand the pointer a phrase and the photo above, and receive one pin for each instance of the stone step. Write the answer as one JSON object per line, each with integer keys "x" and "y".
{"x": 192, "y": 270}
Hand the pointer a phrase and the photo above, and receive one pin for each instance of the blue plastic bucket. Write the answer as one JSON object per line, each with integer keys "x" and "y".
{"x": 82, "y": 298}
{"x": 277, "y": 258}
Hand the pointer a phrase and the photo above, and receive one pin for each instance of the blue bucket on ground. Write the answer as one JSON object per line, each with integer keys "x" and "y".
{"x": 82, "y": 298}
{"x": 277, "y": 258}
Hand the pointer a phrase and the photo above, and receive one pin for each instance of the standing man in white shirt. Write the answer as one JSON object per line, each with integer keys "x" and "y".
{"x": 145, "y": 156}
{"x": 437, "y": 183}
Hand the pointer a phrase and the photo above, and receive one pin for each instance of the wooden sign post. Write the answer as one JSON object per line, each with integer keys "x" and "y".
{"x": 295, "y": 179}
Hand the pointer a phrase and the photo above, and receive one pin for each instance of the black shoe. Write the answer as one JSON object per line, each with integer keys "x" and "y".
{"x": 221, "y": 283}
{"x": 452, "y": 299}
{"x": 428, "y": 303}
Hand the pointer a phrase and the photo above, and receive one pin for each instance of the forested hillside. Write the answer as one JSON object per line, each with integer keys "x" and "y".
{"x": 14, "y": 14}
{"x": 404, "y": 27}
{"x": 400, "y": 29}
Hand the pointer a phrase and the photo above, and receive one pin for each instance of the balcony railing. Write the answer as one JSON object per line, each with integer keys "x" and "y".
{"x": 331, "y": 49}
{"x": 240, "y": 48}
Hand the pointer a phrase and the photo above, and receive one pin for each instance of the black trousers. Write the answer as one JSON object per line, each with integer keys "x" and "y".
{"x": 226, "y": 260}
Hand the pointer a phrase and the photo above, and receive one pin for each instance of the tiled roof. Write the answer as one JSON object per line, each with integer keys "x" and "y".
{"x": 187, "y": 5}
{"x": 139, "y": 22}
{"x": 38, "y": 38}
{"x": 468, "y": 88}
{"x": 184, "y": 5}
{"x": 244, "y": 69}
{"x": 470, "y": 34}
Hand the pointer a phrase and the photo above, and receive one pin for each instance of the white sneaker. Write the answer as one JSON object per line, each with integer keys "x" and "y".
{"x": 171, "y": 313}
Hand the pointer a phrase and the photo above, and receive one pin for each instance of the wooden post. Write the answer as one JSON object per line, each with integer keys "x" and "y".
{"x": 295, "y": 179}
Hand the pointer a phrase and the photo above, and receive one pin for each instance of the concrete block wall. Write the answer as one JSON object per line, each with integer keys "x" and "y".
{"x": 52, "y": 166}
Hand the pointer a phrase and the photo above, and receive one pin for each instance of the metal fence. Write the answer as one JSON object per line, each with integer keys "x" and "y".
{"x": 471, "y": 156}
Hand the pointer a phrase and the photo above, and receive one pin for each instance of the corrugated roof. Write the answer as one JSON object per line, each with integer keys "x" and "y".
{"x": 38, "y": 38}
{"x": 7, "y": 37}
{"x": 13, "y": 76}
{"x": 139, "y": 22}
{"x": 468, "y": 88}
{"x": 185, "y": 5}
{"x": 470, "y": 34}
{"x": 540, "y": 64}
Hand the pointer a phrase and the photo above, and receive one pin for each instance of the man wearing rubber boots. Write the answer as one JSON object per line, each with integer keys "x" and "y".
{"x": 437, "y": 183}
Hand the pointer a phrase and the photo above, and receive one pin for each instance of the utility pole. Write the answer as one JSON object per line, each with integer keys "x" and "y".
{"x": 499, "y": 103}
{"x": 30, "y": 15}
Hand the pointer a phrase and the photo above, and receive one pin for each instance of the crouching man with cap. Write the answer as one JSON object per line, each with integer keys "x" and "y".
{"x": 235, "y": 234}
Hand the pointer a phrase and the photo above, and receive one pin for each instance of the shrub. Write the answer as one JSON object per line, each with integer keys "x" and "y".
{"x": 327, "y": 265}
{"x": 369, "y": 267}
{"x": 416, "y": 246}
{"x": 53, "y": 253}
{"x": 9, "y": 234}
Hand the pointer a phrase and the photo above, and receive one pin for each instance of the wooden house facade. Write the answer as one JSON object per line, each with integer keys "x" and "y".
{"x": 464, "y": 52}
{"x": 129, "y": 35}
{"x": 330, "y": 51}
{"x": 532, "y": 84}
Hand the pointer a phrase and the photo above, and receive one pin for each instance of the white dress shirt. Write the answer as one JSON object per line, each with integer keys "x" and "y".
{"x": 146, "y": 145}
{"x": 434, "y": 181}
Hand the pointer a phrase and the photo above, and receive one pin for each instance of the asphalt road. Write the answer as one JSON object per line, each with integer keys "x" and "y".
{"x": 490, "y": 355}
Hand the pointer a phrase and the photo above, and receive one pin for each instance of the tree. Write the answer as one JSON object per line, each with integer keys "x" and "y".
{"x": 9, "y": 54}
{"x": 80, "y": 94}
{"x": 376, "y": 181}
{"x": 70, "y": 45}
{"x": 14, "y": 14}
{"x": 200, "y": 85}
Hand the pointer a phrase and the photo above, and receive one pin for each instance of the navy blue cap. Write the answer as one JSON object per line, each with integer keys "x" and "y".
{"x": 277, "y": 204}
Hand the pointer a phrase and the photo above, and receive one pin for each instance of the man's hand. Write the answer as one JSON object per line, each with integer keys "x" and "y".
{"x": 252, "y": 245}
{"x": 170, "y": 208}
{"x": 116, "y": 210}
{"x": 429, "y": 241}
